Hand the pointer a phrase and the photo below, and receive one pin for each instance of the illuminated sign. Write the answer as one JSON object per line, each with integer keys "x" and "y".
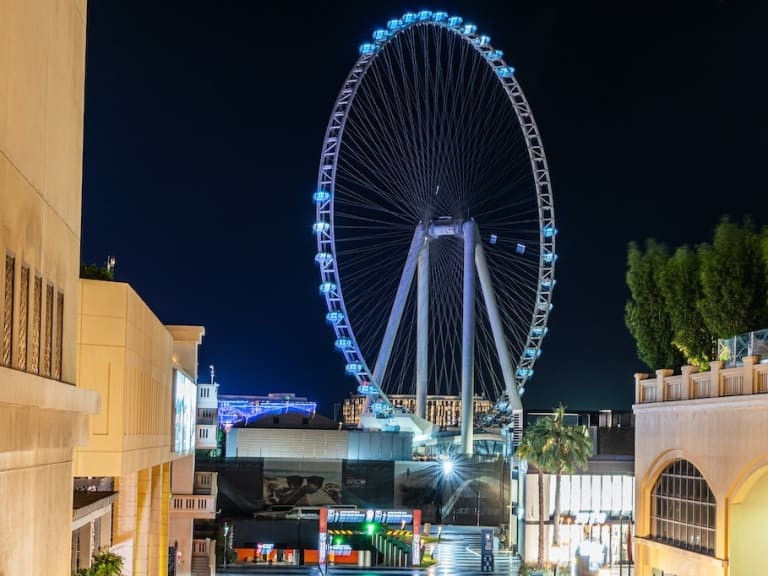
{"x": 341, "y": 549}
{"x": 357, "y": 516}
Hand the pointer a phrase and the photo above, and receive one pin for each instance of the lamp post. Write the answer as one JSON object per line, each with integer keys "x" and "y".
{"x": 477, "y": 503}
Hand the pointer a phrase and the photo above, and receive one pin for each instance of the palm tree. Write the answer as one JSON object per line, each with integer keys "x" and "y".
{"x": 571, "y": 447}
{"x": 554, "y": 447}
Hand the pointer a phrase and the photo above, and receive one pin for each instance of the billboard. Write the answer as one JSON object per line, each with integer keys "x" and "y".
{"x": 184, "y": 413}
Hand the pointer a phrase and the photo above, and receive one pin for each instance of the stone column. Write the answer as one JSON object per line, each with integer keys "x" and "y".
{"x": 639, "y": 377}
{"x": 661, "y": 385}
{"x": 687, "y": 385}
{"x": 716, "y": 388}
{"x": 749, "y": 374}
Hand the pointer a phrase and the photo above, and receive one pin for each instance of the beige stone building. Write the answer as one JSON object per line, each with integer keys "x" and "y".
{"x": 145, "y": 373}
{"x": 701, "y": 458}
{"x": 43, "y": 415}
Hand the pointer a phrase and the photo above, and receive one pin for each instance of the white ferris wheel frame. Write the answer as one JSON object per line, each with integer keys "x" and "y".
{"x": 418, "y": 256}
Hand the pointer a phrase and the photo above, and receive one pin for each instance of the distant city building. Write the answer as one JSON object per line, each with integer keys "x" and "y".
{"x": 240, "y": 410}
{"x": 442, "y": 411}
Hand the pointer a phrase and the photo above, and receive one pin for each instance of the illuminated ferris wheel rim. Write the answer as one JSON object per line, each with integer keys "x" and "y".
{"x": 326, "y": 256}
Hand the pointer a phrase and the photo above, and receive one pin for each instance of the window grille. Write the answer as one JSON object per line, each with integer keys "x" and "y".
{"x": 58, "y": 348}
{"x": 7, "y": 339}
{"x": 37, "y": 318}
{"x": 683, "y": 509}
{"x": 23, "y": 318}
{"x": 47, "y": 343}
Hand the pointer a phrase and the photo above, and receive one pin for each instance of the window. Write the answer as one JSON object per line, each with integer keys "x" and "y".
{"x": 37, "y": 318}
{"x": 58, "y": 347}
{"x": 47, "y": 341}
{"x": 7, "y": 335}
{"x": 23, "y": 318}
{"x": 683, "y": 509}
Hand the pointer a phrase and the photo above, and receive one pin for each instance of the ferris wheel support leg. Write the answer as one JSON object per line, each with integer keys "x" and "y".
{"x": 422, "y": 332}
{"x": 496, "y": 327}
{"x": 398, "y": 306}
{"x": 468, "y": 340}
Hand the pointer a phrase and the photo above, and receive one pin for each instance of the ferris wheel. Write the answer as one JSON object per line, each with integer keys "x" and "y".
{"x": 435, "y": 225}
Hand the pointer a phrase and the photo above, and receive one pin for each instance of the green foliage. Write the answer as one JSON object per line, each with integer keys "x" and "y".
{"x": 104, "y": 564}
{"x": 96, "y": 272}
{"x": 681, "y": 289}
{"x": 554, "y": 447}
{"x": 680, "y": 306}
{"x": 733, "y": 279}
{"x": 646, "y": 314}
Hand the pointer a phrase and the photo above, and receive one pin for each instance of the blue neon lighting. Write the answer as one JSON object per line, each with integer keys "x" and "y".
{"x": 550, "y": 231}
{"x": 483, "y": 40}
{"x": 520, "y": 248}
{"x": 469, "y": 29}
{"x": 327, "y": 287}
{"x": 494, "y": 55}
{"x": 425, "y": 15}
{"x": 409, "y": 17}
{"x": 367, "y": 48}
{"x": 455, "y": 21}
{"x": 319, "y": 227}
{"x": 395, "y": 24}
{"x": 532, "y": 352}
{"x": 321, "y": 196}
{"x": 334, "y": 317}
{"x": 539, "y": 330}
{"x": 353, "y": 368}
{"x": 439, "y": 16}
{"x": 505, "y": 71}
{"x": 323, "y": 257}
{"x": 380, "y": 35}
{"x": 525, "y": 372}
{"x": 343, "y": 343}
{"x": 549, "y": 257}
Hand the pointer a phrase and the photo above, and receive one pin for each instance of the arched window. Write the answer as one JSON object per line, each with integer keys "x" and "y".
{"x": 683, "y": 509}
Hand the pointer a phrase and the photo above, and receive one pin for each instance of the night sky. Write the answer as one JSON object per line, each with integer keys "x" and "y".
{"x": 204, "y": 123}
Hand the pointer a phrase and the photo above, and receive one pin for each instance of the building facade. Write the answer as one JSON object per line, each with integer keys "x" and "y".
{"x": 702, "y": 487}
{"x": 145, "y": 373}
{"x": 43, "y": 415}
{"x": 443, "y": 411}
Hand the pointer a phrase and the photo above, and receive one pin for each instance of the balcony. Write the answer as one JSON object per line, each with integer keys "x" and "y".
{"x": 206, "y": 483}
{"x": 748, "y": 378}
{"x": 199, "y": 506}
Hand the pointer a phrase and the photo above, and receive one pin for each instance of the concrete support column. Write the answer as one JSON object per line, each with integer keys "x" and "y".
{"x": 141, "y": 546}
{"x": 85, "y": 553}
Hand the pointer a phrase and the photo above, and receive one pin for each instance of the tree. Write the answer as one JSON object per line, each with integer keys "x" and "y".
{"x": 733, "y": 280}
{"x": 104, "y": 564}
{"x": 554, "y": 447}
{"x": 646, "y": 314}
{"x": 681, "y": 289}
{"x": 96, "y": 272}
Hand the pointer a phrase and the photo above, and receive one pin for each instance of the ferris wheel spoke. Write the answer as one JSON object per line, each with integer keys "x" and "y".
{"x": 431, "y": 132}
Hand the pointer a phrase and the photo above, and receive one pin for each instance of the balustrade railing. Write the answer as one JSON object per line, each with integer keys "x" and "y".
{"x": 748, "y": 378}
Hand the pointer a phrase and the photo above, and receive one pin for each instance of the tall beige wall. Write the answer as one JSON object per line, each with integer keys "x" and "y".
{"x": 726, "y": 438}
{"x": 42, "y": 67}
{"x": 126, "y": 356}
